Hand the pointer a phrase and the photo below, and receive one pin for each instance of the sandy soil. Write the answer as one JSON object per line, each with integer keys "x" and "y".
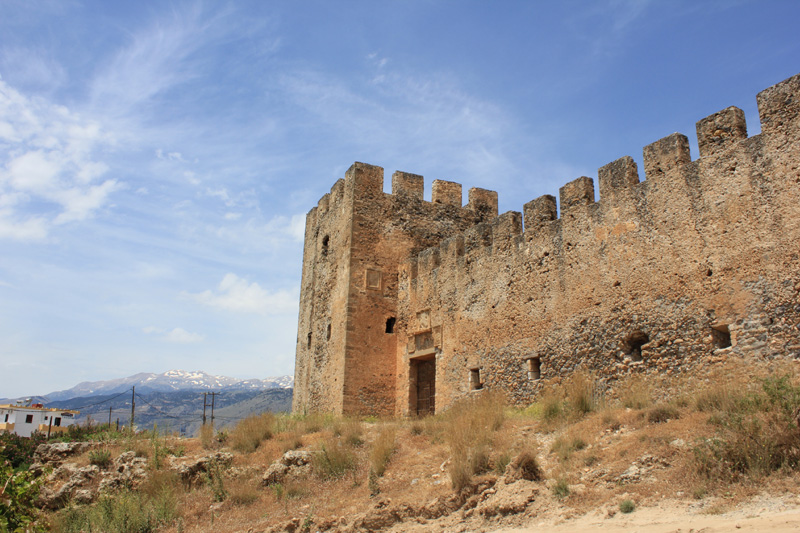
{"x": 780, "y": 515}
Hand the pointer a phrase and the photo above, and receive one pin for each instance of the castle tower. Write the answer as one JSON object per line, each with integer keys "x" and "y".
{"x": 356, "y": 238}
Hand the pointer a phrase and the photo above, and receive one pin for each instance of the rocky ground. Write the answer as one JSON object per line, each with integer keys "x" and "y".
{"x": 720, "y": 453}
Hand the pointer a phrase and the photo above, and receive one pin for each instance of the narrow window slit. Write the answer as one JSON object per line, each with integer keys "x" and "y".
{"x": 534, "y": 368}
{"x": 475, "y": 382}
{"x": 390, "y": 324}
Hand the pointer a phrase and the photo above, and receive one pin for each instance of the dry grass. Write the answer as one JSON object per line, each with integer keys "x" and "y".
{"x": 742, "y": 441}
{"x": 207, "y": 435}
{"x": 635, "y": 392}
{"x": 662, "y": 413}
{"x": 382, "y": 450}
{"x": 334, "y": 459}
{"x": 583, "y": 395}
{"x": 351, "y": 431}
{"x": 248, "y": 434}
{"x": 527, "y": 465}
{"x": 244, "y": 492}
{"x": 757, "y": 431}
{"x": 568, "y": 444}
{"x": 469, "y": 428}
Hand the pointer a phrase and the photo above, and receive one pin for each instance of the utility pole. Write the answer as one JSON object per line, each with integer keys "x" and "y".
{"x": 205, "y": 396}
{"x": 109, "y": 418}
{"x": 213, "y": 395}
{"x": 133, "y": 405}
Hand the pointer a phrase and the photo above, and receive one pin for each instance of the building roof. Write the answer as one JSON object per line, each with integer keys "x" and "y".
{"x": 38, "y": 408}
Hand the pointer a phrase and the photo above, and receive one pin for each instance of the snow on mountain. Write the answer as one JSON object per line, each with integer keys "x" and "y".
{"x": 172, "y": 380}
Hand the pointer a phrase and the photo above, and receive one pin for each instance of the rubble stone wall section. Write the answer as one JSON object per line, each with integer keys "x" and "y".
{"x": 695, "y": 264}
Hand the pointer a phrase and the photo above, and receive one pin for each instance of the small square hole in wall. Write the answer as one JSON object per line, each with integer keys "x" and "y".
{"x": 475, "y": 382}
{"x": 632, "y": 344}
{"x": 534, "y": 368}
{"x": 373, "y": 279}
{"x": 721, "y": 336}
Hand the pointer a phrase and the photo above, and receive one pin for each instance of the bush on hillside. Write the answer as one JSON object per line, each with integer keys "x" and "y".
{"x": 757, "y": 431}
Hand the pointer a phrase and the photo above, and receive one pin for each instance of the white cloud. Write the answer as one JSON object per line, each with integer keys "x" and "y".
{"x": 237, "y": 294}
{"x": 180, "y": 335}
{"x": 170, "y": 156}
{"x": 177, "y": 335}
{"x": 48, "y": 172}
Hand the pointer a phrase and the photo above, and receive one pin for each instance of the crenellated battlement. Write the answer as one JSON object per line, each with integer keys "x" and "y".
{"x": 663, "y": 268}
{"x": 666, "y": 159}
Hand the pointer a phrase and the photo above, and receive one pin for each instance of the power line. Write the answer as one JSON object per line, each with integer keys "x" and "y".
{"x": 104, "y": 401}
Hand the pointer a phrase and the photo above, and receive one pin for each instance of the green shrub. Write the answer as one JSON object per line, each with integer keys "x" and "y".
{"x": 101, "y": 458}
{"x": 501, "y": 462}
{"x": 627, "y": 506}
{"x": 561, "y": 488}
{"x": 18, "y": 451}
{"x": 214, "y": 477}
{"x": 123, "y": 512}
{"x": 18, "y": 493}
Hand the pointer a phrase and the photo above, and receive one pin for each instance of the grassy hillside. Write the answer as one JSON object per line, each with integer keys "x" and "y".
{"x": 699, "y": 446}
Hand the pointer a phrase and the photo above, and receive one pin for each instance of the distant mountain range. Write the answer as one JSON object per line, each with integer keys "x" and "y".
{"x": 173, "y": 400}
{"x": 171, "y": 381}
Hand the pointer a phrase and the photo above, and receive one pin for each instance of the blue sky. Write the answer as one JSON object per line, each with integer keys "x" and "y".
{"x": 157, "y": 159}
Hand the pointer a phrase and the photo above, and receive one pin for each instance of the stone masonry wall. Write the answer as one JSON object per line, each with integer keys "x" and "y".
{"x": 695, "y": 264}
{"x": 657, "y": 276}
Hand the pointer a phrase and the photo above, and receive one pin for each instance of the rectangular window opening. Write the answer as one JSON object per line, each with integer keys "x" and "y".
{"x": 28, "y": 419}
{"x": 721, "y": 336}
{"x": 390, "y": 324}
{"x": 475, "y": 382}
{"x": 534, "y": 368}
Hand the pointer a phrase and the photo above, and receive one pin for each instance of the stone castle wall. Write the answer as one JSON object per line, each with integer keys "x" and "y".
{"x": 695, "y": 264}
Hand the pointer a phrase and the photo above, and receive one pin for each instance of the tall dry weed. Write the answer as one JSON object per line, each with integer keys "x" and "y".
{"x": 582, "y": 393}
{"x": 382, "y": 450}
{"x": 757, "y": 430}
{"x": 635, "y": 392}
{"x": 334, "y": 459}
{"x": 469, "y": 429}
{"x": 248, "y": 434}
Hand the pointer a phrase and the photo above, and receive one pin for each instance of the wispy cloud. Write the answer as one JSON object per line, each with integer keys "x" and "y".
{"x": 176, "y": 335}
{"x": 393, "y": 113}
{"x": 49, "y": 171}
{"x": 237, "y": 294}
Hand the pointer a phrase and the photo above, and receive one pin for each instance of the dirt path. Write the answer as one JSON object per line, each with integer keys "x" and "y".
{"x": 762, "y": 515}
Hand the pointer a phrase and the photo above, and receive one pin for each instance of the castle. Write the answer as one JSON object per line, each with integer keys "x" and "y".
{"x": 408, "y": 305}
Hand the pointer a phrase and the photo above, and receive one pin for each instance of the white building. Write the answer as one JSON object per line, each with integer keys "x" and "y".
{"x": 25, "y": 419}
